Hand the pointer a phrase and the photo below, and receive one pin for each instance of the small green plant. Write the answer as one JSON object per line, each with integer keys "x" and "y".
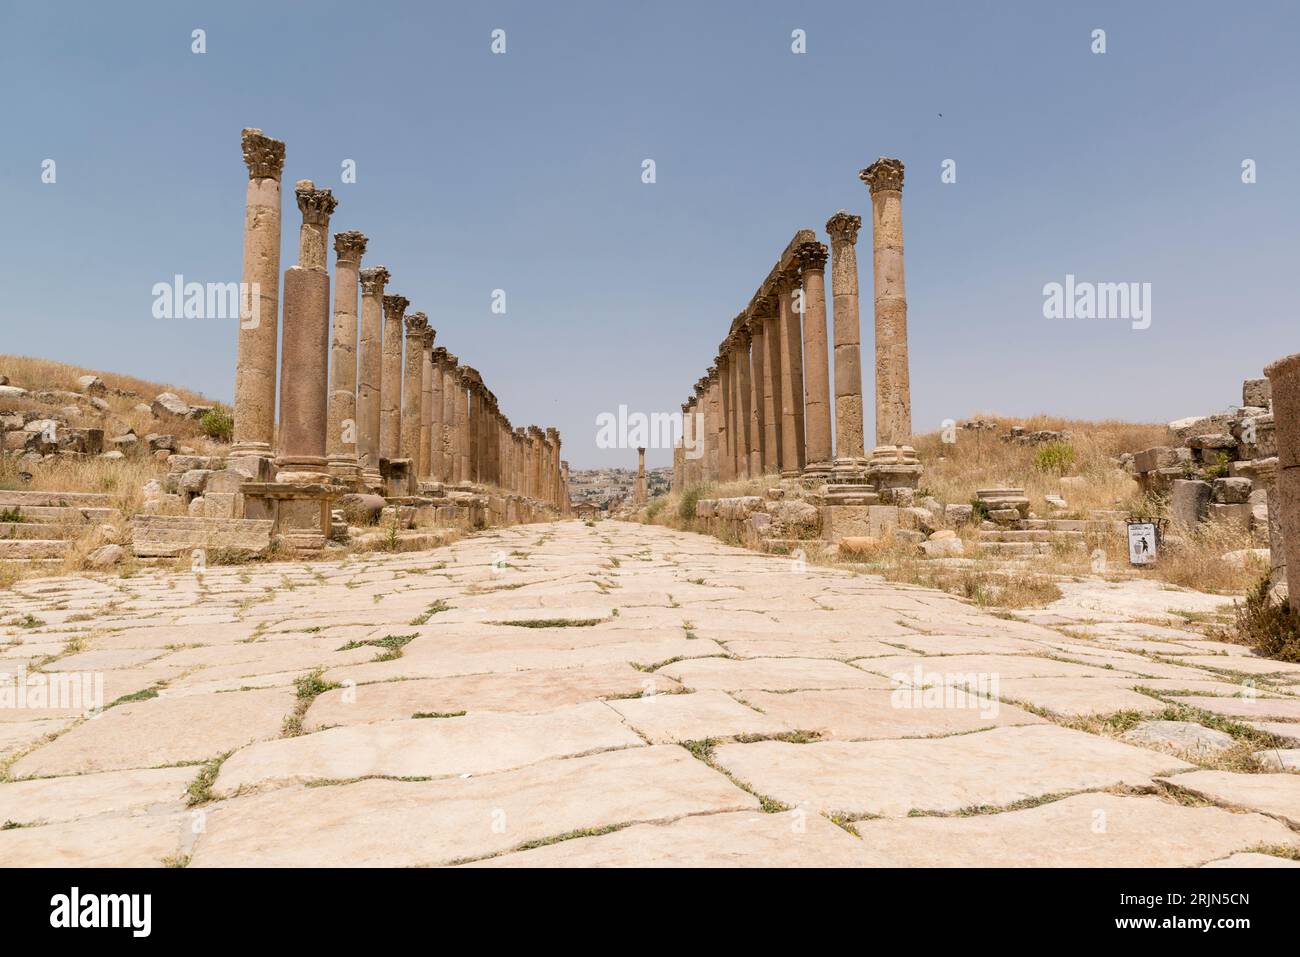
{"x": 1221, "y": 467}
{"x": 655, "y": 507}
{"x": 11, "y": 515}
{"x": 218, "y": 423}
{"x": 686, "y": 506}
{"x": 979, "y": 512}
{"x": 1271, "y": 628}
{"x": 1055, "y": 458}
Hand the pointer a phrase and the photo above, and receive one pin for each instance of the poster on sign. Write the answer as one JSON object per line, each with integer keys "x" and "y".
{"x": 1141, "y": 543}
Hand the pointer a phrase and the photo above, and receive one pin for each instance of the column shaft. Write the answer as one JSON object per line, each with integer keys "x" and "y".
{"x": 850, "y": 453}
{"x": 817, "y": 397}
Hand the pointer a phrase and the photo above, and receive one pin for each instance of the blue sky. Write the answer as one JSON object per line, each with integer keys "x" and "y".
{"x": 523, "y": 172}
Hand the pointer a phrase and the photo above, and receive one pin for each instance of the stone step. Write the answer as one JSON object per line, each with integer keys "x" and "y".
{"x": 32, "y": 530}
{"x": 1107, "y": 515}
{"x": 26, "y": 499}
{"x": 11, "y": 548}
{"x": 73, "y": 514}
{"x": 166, "y": 536}
{"x": 1057, "y": 524}
{"x": 1030, "y": 535}
{"x": 1015, "y": 548}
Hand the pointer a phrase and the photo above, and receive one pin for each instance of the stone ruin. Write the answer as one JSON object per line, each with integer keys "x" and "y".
{"x": 373, "y": 420}
{"x": 764, "y": 407}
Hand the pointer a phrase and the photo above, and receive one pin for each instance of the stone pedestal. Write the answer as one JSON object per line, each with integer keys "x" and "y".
{"x": 342, "y": 432}
{"x": 299, "y": 511}
{"x": 850, "y": 455}
{"x": 894, "y": 471}
{"x": 304, "y": 367}
{"x": 255, "y": 369}
{"x": 370, "y": 374}
{"x": 1284, "y": 382}
{"x": 893, "y": 390}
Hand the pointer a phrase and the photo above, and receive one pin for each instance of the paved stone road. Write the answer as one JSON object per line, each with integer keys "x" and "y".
{"x": 680, "y": 702}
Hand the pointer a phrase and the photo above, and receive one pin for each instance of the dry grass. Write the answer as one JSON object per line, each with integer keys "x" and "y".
{"x": 31, "y": 373}
{"x": 980, "y": 459}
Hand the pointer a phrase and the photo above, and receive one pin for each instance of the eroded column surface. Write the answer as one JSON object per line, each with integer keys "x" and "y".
{"x": 390, "y": 384}
{"x": 757, "y": 425}
{"x": 713, "y": 435}
{"x": 893, "y": 390}
{"x": 437, "y": 412}
{"x": 773, "y": 407}
{"x": 1284, "y": 380}
{"x": 304, "y": 360}
{"x": 450, "y": 423}
{"x": 426, "y": 406}
{"x": 726, "y": 431}
{"x": 816, "y": 368}
{"x": 370, "y": 373}
{"x": 744, "y": 388}
{"x": 255, "y": 363}
{"x": 412, "y": 389}
{"x": 850, "y": 452}
{"x": 341, "y": 437}
{"x": 639, "y": 491}
{"x": 792, "y": 438}
{"x": 463, "y": 385}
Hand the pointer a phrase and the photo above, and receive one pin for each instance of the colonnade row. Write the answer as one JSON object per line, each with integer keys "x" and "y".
{"x": 764, "y": 404}
{"x": 366, "y": 401}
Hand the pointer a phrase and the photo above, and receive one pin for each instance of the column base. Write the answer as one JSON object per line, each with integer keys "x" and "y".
{"x": 816, "y": 473}
{"x": 344, "y": 470}
{"x": 302, "y": 470}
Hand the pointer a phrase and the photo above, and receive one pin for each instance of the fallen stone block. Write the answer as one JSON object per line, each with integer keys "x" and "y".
{"x": 165, "y": 536}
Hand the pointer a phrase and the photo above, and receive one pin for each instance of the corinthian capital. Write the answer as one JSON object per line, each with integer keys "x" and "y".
{"x": 373, "y": 280}
{"x": 416, "y": 323}
{"x": 439, "y": 354}
{"x": 350, "y": 245}
{"x": 394, "y": 306}
{"x": 317, "y": 205}
{"x": 263, "y": 155}
{"x": 812, "y": 256}
{"x": 429, "y": 334}
{"x": 883, "y": 174}
{"x": 843, "y": 227}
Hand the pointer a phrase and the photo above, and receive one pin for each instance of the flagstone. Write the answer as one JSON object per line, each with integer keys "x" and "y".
{"x": 892, "y": 777}
{"x": 108, "y": 841}
{"x": 771, "y": 674}
{"x": 381, "y": 823}
{"x": 46, "y": 800}
{"x": 427, "y": 747}
{"x": 665, "y": 718}
{"x": 857, "y": 714}
{"x": 737, "y": 839}
{"x": 1004, "y": 666}
{"x": 1246, "y": 664}
{"x": 1075, "y": 697}
{"x": 1275, "y": 794}
{"x": 1259, "y": 708}
{"x": 1253, "y": 859}
{"x": 158, "y": 731}
{"x": 1086, "y": 830}
{"x": 536, "y": 690}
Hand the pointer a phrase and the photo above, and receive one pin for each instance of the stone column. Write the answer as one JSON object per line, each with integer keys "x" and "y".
{"x": 304, "y": 361}
{"x": 1284, "y": 380}
{"x": 850, "y": 453}
{"x": 259, "y": 303}
{"x": 744, "y": 391}
{"x": 757, "y": 424}
{"x": 535, "y": 462}
{"x": 390, "y": 380}
{"x": 696, "y": 463}
{"x": 726, "y": 434}
{"x": 521, "y": 461}
{"x": 566, "y": 506}
{"x": 772, "y": 405}
{"x": 816, "y": 378}
{"x": 463, "y": 384}
{"x": 792, "y": 439}
{"x": 639, "y": 495}
{"x": 412, "y": 390}
{"x": 424, "y": 469}
{"x": 370, "y": 373}
{"x": 893, "y": 391}
{"x": 437, "y": 472}
{"x": 450, "y": 441}
{"x": 714, "y": 438}
{"x": 341, "y": 437}
{"x": 553, "y": 466}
